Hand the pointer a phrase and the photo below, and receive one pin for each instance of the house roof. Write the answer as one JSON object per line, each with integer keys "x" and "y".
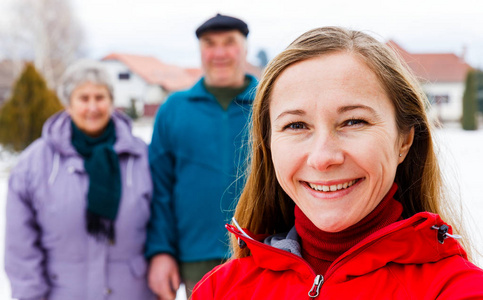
{"x": 153, "y": 71}
{"x": 434, "y": 67}
{"x": 195, "y": 72}
{"x": 254, "y": 70}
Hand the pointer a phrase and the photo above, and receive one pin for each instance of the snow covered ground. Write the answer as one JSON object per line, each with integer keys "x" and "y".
{"x": 461, "y": 155}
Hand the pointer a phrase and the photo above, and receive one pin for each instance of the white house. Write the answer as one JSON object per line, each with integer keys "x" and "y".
{"x": 145, "y": 81}
{"x": 442, "y": 76}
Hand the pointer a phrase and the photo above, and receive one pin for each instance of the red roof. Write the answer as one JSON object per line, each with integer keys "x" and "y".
{"x": 153, "y": 71}
{"x": 195, "y": 72}
{"x": 434, "y": 67}
{"x": 253, "y": 70}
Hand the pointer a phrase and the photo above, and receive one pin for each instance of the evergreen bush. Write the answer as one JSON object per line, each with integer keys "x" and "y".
{"x": 31, "y": 104}
{"x": 470, "y": 105}
{"x": 479, "y": 95}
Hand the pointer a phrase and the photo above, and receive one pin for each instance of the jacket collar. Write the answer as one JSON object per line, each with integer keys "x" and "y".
{"x": 199, "y": 92}
{"x": 126, "y": 142}
{"x": 57, "y": 133}
{"x": 410, "y": 241}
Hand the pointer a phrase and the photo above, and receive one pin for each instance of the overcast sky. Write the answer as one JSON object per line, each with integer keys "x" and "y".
{"x": 165, "y": 28}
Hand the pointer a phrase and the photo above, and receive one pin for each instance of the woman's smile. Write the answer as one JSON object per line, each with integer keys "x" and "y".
{"x": 331, "y": 191}
{"x": 332, "y": 187}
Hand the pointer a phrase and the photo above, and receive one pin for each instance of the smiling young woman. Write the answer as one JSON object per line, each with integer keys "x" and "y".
{"x": 344, "y": 197}
{"x": 339, "y": 129}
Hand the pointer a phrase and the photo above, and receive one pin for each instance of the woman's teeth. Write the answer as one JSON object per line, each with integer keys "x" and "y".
{"x": 332, "y": 188}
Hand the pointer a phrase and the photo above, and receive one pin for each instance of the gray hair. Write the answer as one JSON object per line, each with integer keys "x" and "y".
{"x": 81, "y": 72}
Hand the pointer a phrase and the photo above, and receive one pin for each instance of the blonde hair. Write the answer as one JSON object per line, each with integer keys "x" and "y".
{"x": 264, "y": 208}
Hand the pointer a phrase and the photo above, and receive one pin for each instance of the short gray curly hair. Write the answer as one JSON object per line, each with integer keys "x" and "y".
{"x": 80, "y": 72}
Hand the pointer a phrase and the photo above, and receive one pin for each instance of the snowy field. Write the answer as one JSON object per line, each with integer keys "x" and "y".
{"x": 461, "y": 155}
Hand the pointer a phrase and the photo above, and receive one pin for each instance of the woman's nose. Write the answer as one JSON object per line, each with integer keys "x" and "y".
{"x": 325, "y": 151}
{"x": 92, "y": 105}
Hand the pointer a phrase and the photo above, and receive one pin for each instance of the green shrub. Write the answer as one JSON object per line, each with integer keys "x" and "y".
{"x": 31, "y": 104}
{"x": 469, "y": 119}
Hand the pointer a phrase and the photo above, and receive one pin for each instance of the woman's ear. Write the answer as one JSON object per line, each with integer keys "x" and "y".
{"x": 406, "y": 142}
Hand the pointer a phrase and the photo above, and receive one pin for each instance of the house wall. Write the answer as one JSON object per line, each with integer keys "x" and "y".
{"x": 154, "y": 95}
{"x": 128, "y": 87}
{"x": 450, "y": 109}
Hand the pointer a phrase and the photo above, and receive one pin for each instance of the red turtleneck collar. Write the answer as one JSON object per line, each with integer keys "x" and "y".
{"x": 320, "y": 248}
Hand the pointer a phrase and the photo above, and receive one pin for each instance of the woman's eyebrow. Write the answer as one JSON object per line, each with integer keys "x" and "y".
{"x": 342, "y": 109}
{"x": 347, "y": 108}
{"x": 296, "y": 112}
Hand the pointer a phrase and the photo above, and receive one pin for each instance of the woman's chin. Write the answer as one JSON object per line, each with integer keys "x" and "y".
{"x": 331, "y": 224}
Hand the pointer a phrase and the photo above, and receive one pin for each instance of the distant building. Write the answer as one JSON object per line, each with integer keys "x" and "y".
{"x": 442, "y": 76}
{"x": 146, "y": 82}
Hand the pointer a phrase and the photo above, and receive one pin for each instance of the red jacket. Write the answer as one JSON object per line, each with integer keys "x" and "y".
{"x": 404, "y": 260}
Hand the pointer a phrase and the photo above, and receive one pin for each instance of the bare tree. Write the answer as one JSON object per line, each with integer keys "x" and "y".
{"x": 46, "y": 32}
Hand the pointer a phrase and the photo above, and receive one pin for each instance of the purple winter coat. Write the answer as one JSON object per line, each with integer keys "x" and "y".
{"x": 48, "y": 253}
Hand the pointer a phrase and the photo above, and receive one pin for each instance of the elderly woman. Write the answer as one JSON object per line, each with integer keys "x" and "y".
{"x": 78, "y": 201}
{"x": 345, "y": 183}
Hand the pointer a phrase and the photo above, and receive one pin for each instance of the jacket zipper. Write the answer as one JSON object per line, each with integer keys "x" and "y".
{"x": 318, "y": 282}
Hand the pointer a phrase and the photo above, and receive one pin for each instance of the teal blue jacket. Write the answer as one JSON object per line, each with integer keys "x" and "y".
{"x": 197, "y": 156}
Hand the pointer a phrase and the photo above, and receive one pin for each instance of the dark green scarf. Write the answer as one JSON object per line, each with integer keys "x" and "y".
{"x": 102, "y": 166}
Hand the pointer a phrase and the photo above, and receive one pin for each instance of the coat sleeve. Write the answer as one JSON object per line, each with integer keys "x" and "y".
{"x": 24, "y": 256}
{"x": 463, "y": 281}
{"x": 161, "y": 236}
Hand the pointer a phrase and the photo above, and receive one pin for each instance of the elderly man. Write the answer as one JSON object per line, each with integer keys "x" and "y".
{"x": 197, "y": 156}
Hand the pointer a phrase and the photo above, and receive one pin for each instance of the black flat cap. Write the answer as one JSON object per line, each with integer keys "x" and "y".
{"x": 222, "y": 23}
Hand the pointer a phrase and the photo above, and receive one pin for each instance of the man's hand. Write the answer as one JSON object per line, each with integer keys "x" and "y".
{"x": 163, "y": 277}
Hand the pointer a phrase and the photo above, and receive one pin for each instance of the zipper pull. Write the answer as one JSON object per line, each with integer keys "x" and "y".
{"x": 318, "y": 281}
{"x": 443, "y": 233}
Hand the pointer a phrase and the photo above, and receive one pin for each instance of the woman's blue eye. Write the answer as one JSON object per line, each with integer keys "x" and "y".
{"x": 296, "y": 125}
{"x": 355, "y": 122}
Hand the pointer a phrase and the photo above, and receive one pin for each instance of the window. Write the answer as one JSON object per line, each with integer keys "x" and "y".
{"x": 124, "y": 75}
{"x": 438, "y": 99}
